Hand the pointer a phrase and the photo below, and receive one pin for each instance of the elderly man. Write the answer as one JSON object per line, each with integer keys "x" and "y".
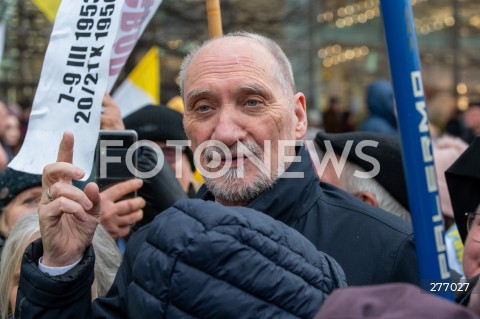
{"x": 239, "y": 92}
{"x": 241, "y": 88}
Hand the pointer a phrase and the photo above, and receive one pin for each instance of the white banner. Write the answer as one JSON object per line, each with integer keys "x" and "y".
{"x": 88, "y": 37}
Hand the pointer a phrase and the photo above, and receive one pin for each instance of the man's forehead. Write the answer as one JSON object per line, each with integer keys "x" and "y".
{"x": 234, "y": 46}
{"x": 224, "y": 56}
{"x": 231, "y": 41}
{"x": 36, "y": 190}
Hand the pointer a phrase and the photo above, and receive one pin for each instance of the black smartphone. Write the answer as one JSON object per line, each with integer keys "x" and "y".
{"x": 114, "y": 162}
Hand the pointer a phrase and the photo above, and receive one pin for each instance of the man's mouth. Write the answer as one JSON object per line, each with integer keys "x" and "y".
{"x": 234, "y": 160}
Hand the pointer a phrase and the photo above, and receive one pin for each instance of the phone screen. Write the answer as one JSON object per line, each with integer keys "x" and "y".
{"x": 111, "y": 157}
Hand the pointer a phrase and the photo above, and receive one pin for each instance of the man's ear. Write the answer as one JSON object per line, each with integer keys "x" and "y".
{"x": 368, "y": 198}
{"x": 301, "y": 115}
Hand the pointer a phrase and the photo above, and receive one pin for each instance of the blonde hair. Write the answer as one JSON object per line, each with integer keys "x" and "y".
{"x": 107, "y": 259}
{"x": 26, "y": 230}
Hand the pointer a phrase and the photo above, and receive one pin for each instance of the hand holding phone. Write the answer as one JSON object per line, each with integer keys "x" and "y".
{"x": 113, "y": 162}
{"x": 117, "y": 215}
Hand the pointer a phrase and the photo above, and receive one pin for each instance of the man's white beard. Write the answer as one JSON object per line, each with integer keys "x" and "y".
{"x": 231, "y": 186}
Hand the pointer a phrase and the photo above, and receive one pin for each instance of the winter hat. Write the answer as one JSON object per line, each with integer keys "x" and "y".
{"x": 13, "y": 182}
{"x": 388, "y": 152}
{"x": 463, "y": 181}
{"x": 158, "y": 123}
{"x": 390, "y": 301}
{"x": 446, "y": 150}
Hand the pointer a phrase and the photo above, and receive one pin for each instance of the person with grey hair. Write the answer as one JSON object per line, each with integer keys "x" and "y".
{"x": 240, "y": 100}
{"x": 361, "y": 152}
{"x": 27, "y": 230}
{"x": 370, "y": 191}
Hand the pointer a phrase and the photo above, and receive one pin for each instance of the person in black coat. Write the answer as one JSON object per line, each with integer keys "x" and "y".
{"x": 463, "y": 181}
{"x": 239, "y": 92}
{"x": 244, "y": 119}
{"x": 195, "y": 260}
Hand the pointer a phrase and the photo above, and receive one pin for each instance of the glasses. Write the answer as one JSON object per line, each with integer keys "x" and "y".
{"x": 473, "y": 224}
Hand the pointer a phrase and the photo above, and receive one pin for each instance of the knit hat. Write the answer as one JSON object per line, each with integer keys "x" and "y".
{"x": 388, "y": 152}
{"x": 158, "y": 123}
{"x": 13, "y": 182}
{"x": 463, "y": 181}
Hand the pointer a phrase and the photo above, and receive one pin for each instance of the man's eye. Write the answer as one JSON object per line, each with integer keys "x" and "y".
{"x": 252, "y": 103}
{"x": 203, "y": 108}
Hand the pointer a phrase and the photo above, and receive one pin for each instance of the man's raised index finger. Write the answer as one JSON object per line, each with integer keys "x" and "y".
{"x": 65, "y": 151}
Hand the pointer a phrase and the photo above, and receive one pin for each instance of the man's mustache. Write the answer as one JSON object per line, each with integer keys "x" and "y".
{"x": 215, "y": 153}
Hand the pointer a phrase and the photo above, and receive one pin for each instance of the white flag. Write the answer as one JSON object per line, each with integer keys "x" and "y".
{"x": 142, "y": 85}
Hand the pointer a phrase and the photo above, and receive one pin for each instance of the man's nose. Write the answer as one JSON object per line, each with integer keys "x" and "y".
{"x": 230, "y": 127}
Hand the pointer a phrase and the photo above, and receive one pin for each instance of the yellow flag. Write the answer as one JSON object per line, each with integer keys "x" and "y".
{"x": 146, "y": 75}
{"x": 176, "y": 103}
{"x": 48, "y": 7}
{"x": 142, "y": 85}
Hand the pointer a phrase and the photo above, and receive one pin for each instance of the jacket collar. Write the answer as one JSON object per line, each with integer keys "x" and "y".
{"x": 288, "y": 198}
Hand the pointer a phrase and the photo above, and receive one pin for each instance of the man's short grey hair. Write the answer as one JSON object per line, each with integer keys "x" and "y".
{"x": 107, "y": 259}
{"x": 354, "y": 185}
{"x": 284, "y": 71}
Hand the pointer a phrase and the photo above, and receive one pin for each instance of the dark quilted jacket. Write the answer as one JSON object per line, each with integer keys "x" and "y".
{"x": 371, "y": 245}
{"x": 196, "y": 260}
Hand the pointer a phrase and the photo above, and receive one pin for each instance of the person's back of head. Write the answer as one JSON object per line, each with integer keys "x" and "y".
{"x": 373, "y": 166}
{"x": 360, "y": 187}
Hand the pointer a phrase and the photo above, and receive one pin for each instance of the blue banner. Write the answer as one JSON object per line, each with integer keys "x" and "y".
{"x": 416, "y": 145}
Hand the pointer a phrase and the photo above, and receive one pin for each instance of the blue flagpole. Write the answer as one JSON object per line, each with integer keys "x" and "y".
{"x": 416, "y": 143}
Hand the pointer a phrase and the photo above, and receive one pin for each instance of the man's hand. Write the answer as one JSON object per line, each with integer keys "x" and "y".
{"x": 68, "y": 215}
{"x": 118, "y": 216}
{"x": 111, "y": 118}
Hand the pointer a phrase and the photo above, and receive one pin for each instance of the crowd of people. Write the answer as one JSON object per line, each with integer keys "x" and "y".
{"x": 284, "y": 236}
